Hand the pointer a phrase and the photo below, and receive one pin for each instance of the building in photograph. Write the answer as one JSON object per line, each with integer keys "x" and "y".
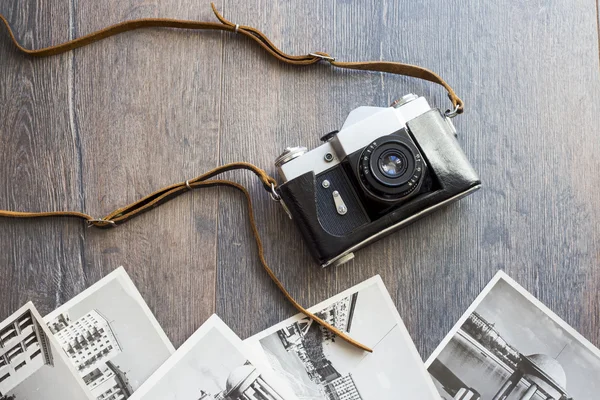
{"x": 342, "y": 388}
{"x": 486, "y": 334}
{"x": 327, "y": 373}
{"x": 108, "y": 382}
{"x": 536, "y": 376}
{"x": 88, "y": 341}
{"x": 245, "y": 383}
{"x": 339, "y": 315}
{"x": 24, "y": 349}
{"x": 545, "y": 376}
{"x": 90, "y": 344}
{"x": 291, "y": 336}
{"x": 59, "y": 323}
{"x": 307, "y": 340}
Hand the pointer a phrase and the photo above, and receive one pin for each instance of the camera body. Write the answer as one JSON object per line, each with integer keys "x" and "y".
{"x": 386, "y": 167}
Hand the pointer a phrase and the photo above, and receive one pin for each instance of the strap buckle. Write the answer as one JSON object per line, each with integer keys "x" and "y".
{"x": 90, "y": 222}
{"x": 322, "y": 57}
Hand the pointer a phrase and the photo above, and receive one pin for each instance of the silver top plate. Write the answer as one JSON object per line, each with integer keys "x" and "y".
{"x": 363, "y": 125}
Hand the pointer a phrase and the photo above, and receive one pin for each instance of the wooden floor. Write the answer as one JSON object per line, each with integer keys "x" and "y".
{"x": 102, "y": 126}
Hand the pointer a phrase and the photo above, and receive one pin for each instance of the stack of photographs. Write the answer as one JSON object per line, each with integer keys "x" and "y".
{"x": 297, "y": 359}
{"x": 212, "y": 365}
{"x": 32, "y": 363}
{"x": 105, "y": 344}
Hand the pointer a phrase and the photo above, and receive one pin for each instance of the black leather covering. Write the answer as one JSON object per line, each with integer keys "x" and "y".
{"x": 445, "y": 158}
{"x": 331, "y": 221}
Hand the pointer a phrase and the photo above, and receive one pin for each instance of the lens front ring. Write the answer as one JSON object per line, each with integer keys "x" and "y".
{"x": 391, "y": 168}
{"x": 406, "y": 154}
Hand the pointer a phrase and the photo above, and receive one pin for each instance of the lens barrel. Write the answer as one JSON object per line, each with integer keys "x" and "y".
{"x": 391, "y": 168}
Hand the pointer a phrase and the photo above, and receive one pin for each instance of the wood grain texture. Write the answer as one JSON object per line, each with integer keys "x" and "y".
{"x": 147, "y": 107}
{"x": 98, "y": 128}
{"x": 530, "y": 82}
{"x": 39, "y": 260}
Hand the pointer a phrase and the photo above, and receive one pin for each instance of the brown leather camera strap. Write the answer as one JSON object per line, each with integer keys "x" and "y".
{"x": 161, "y": 196}
{"x": 254, "y": 34}
{"x": 149, "y": 202}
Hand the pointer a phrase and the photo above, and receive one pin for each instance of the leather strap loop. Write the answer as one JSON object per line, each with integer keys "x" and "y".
{"x": 150, "y": 201}
{"x": 163, "y": 195}
{"x": 248, "y": 31}
{"x": 406, "y": 70}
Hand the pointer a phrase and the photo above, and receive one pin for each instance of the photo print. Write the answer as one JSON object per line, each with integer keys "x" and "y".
{"x": 213, "y": 364}
{"x": 111, "y": 337}
{"x": 509, "y": 346}
{"x": 319, "y": 366}
{"x": 32, "y": 364}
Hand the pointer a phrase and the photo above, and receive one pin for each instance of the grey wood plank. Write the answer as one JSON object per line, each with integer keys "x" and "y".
{"x": 268, "y": 105}
{"x": 529, "y": 77}
{"x": 147, "y": 107}
{"x": 142, "y": 110}
{"x": 39, "y": 166}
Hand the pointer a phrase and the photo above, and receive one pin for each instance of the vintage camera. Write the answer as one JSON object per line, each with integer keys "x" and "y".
{"x": 386, "y": 167}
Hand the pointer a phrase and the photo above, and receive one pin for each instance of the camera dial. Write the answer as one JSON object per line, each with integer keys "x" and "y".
{"x": 289, "y": 154}
{"x": 407, "y": 98}
{"x": 391, "y": 168}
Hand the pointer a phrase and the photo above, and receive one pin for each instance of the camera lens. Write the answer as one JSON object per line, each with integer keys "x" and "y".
{"x": 393, "y": 163}
{"x": 391, "y": 168}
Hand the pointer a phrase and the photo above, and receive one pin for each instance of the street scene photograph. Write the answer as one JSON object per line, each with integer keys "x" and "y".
{"x": 510, "y": 346}
{"x": 319, "y": 366}
{"x": 32, "y": 365}
{"x": 110, "y": 336}
{"x": 212, "y": 365}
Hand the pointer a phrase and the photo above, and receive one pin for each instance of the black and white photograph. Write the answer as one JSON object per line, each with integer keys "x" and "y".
{"x": 212, "y": 365}
{"x": 110, "y": 336}
{"x": 509, "y": 346}
{"x": 32, "y": 364}
{"x": 319, "y": 366}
